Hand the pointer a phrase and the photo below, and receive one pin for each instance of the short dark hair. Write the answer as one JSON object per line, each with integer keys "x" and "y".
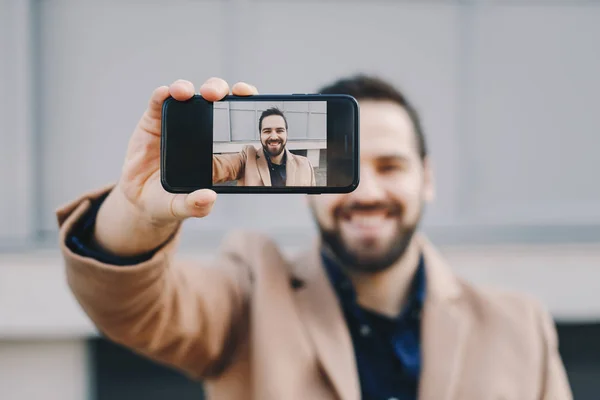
{"x": 366, "y": 87}
{"x": 271, "y": 111}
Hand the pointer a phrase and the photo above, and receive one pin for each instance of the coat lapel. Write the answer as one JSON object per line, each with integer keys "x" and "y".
{"x": 443, "y": 340}
{"x": 326, "y": 325}
{"x": 263, "y": 167}
{"x": 290, "y": 169}
{"x": 444, "y": 328}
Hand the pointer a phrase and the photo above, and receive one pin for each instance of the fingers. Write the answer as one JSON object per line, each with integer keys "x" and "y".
{"x": 244, "y": 89}
{"x": 197, "y": 204}
{"x": 181, "y": 90}
{"x": 214, "y": 89}
{"x": 157, "y": 99}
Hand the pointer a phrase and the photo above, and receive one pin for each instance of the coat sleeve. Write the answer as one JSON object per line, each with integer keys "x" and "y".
{"x": 187, "y": 315}
{"x": 228, "y": 167}
{"x": 555, "y": 383}
{"x": 313, "y": 180}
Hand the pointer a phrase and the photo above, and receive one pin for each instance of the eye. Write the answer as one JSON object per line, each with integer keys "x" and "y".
{"x": 385, "y": 168}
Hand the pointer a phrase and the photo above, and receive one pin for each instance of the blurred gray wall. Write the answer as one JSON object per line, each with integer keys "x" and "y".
{"x": 507, "y": 90}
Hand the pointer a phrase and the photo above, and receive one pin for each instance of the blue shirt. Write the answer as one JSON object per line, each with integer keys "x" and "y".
{"x": 277, "y": 171}
{"x": 387, "y": 350}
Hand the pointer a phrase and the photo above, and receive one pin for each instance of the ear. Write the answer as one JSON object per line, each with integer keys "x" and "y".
{"x": 428, "y": 180}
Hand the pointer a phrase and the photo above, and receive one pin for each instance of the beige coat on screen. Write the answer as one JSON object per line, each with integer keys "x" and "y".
{"x": 250, "y": 168}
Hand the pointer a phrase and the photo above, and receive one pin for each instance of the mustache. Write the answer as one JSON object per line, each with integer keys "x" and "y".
{"x": 387, "y": 207}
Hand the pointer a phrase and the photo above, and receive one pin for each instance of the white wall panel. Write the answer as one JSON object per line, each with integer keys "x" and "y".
{"x": 564, "y": 277}
{"x": 535, "y": 120}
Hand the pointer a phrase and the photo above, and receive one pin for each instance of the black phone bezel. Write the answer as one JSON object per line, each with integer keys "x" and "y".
{"x": 354, "y": 151}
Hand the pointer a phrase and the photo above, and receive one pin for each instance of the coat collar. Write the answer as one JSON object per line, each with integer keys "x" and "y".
{"x": 444, "y": 326}
{"x": 263, "y": 167}
{"x": 324, "y": 320}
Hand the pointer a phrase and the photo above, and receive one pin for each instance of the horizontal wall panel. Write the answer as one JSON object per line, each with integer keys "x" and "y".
{"x": 45, "y": 369}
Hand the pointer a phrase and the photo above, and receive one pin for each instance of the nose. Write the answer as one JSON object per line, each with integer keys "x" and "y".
{"x": 368, "y": 189}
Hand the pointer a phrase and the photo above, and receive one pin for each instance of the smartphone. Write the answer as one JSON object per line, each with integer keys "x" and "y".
{"x": 298, "y": 143}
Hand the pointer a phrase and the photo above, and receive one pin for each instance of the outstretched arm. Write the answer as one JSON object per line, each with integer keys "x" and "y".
{"x": 187, "y": 315}
{"x": 556, "y": 383}
{"x": 228, "y": 167}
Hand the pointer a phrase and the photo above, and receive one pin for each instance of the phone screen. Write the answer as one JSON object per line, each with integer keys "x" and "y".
{"x": 262, "y": 143}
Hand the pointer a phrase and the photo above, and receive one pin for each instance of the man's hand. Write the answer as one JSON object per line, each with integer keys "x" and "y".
{"x": 139, "y": 215}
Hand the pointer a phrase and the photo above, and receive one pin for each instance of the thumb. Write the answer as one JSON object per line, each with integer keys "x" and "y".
{"x": 197, "y": 204}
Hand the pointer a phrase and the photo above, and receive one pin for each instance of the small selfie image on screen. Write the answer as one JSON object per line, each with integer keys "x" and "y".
{"x": 263, "y": 143}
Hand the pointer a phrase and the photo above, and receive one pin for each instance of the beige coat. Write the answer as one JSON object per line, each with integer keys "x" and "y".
{"x": 250, "y": 168}
{"x": 254, "y": 325}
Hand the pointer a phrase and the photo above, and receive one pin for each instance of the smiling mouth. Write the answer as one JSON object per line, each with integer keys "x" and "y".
{"x": 371, "y": 219}
{"x": 368, "y": 214}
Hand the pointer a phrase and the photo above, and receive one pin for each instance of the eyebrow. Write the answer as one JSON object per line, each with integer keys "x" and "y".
{"x": 393, "y": 157}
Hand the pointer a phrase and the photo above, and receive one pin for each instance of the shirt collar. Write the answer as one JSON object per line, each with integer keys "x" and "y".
{"x": 347, "y": 295}
{"x": 283, "y": 160}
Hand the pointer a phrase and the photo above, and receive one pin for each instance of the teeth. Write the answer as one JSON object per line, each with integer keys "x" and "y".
{"x": 371, "y": 220}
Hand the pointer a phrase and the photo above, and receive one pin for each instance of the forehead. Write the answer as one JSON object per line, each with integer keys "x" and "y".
{"x": 386, "y": 127}
{"x": 273, "y": 121}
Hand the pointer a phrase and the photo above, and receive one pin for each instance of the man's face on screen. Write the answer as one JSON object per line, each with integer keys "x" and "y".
{"x": 370, "y": 228}
{"x": 273, "y": 135}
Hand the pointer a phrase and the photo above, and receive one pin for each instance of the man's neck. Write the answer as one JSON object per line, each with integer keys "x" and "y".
{"x": 276, "y": 159}
{"x": 386, "y": 292}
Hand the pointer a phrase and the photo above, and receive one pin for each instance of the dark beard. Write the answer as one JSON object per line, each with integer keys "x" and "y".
{"x": 270, "y": 153}
{"x": 334, "y": 243}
